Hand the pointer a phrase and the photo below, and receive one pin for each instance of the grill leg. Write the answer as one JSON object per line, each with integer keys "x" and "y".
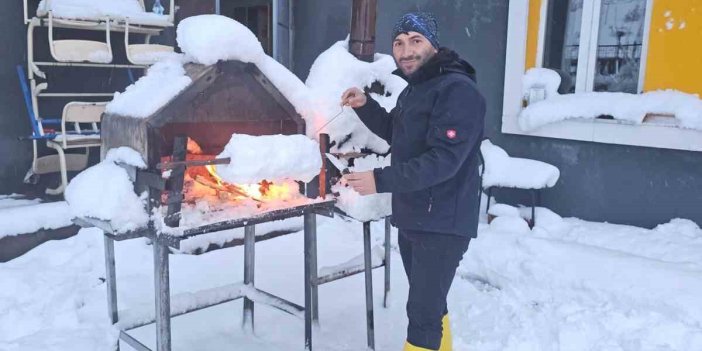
{"x": 387, "y": 262}
{"x": 249, "y": 265}
{"x": 534, "y": 201}
{"x": 111, "y": 281}
{"x": 313, "y": 278}
{"x": 489, "y": 196}
{"x": 310, "y": 276}
{"x": 163, "y": 296}
{"x": 369, "y": 283}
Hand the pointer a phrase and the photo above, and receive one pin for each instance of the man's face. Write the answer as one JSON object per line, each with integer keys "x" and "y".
{"x": 411, "y": 51}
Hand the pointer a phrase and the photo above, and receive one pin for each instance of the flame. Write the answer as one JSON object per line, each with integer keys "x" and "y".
{"x": 213, "y": 173}
{"x": 261, "y": 192}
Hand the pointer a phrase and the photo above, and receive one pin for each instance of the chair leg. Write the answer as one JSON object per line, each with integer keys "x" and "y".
{"x": 64, "y": 173}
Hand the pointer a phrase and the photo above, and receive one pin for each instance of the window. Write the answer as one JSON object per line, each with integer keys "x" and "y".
{"x": 595, "y": 45}
{"x": 256, "y": 15}
{"x": 604, "y": 46}
{"x": 269, "y": 20}
{"x": 619, "y": 46}
{"x": 562, "y": 41}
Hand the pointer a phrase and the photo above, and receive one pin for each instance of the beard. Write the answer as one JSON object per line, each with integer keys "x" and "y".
{"x": 418, "y": 61}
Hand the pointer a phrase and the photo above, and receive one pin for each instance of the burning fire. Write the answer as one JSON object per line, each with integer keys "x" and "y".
{"x": 262, "y": 191}
{"x": 206, "y": 181}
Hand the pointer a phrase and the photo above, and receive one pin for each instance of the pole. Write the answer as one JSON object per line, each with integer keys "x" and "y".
{"x": 363, "y": 16}
{"x": 369, "y": 284}
{"x": 249, "y": 264}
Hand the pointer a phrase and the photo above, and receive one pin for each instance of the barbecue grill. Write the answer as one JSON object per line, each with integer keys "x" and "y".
{"x": 178, "y": 143}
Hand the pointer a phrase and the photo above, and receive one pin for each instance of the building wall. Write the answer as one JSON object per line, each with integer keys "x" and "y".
{"x": 15, "y": 156}
{"x": 619, "y": 184}
{"x": 672, "y": 61}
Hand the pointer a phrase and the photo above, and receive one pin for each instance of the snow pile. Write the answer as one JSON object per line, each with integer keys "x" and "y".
{"x": 270, "y": 157}
{"x": 369, "y": 207}
{"x": 105, "y": 192}
{"x": 590, "y": 286}
{"x": 498, "y": 210}
{"x": 207, "y": 39}
{"x": 512, "y": 172}
{"x": 513, "y": 291}
{"x": 98, "y": 10}
{"x": 336, "y": 70}
{"x": 14, "y": 200}
{"x": 163, "y": 81}
{"x": 679, "y": 241}
{"x": 542, "y": 78}
{"x": 687, "y": 108}
{"x": 29, "y": 217}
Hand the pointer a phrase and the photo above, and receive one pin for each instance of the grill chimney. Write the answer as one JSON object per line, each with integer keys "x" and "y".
{"x": 363, "y": 17}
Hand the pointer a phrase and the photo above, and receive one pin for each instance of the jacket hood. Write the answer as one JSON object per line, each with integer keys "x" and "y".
{"x": 445, "y": 61}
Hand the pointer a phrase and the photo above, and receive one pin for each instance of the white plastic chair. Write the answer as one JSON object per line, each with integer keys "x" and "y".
{"x": 74, "y": 114}
{"x": 144, "y": 54}
{"x": 78, "y": 50}
{"x": 503, "y": 171}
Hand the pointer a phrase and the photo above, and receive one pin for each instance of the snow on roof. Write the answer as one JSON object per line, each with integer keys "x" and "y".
{"x": 687, "y": 108}
{"x": 99, "y": 9}
{"x": 512, "y": 172}
{"x": 161, "y": 83}
{"x": 207, "y": 39}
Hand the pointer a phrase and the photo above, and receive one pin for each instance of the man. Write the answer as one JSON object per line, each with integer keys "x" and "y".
{"x": 435, "y": 132}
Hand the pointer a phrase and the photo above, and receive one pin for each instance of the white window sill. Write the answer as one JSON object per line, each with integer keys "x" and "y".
{"x": 656, "y": 135}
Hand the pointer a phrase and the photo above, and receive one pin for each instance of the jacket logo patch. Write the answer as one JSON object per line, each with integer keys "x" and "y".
{"x": 451, "y": 133}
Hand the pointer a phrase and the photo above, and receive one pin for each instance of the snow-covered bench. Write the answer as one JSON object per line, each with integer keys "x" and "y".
{"x": 503, "y": 171}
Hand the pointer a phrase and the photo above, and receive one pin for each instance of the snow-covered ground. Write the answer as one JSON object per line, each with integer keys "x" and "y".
{"x": 567, "y": 285}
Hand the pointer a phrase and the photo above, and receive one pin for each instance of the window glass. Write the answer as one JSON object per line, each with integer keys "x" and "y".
{"x": 562, "y": 40}
{"x": 619, "y": 43}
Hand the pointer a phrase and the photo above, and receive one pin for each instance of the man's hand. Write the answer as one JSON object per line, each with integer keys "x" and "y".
{"x": 362, "y": 182}
{"x": 353, "y": 97}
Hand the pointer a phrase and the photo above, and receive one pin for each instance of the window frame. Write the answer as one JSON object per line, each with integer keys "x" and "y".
{"x": 595, "y": 130}
{"x": 590, "y": 23}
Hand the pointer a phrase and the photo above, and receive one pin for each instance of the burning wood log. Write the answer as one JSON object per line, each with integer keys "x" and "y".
{"x": 224, "y": 187}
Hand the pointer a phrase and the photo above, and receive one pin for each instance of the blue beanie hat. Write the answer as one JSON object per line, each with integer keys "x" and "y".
{"x": 421, "y": 22}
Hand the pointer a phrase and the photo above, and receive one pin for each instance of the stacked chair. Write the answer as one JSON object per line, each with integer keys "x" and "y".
{"x": 78, "y": 127}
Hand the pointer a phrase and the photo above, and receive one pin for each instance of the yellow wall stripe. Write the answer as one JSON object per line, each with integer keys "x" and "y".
{"x": 675, "y": 46}
{"x": 533, "y": 32}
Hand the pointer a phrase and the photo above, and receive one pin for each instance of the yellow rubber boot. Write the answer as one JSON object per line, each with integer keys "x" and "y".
{"x": 410, "y": 347}
{"x": 446, "y": 338}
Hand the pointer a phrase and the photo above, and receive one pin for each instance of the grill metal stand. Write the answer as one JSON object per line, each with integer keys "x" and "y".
{"x": 165, "y": 303}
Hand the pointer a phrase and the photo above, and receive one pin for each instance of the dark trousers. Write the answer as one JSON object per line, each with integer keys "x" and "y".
{"x": 430, "y": 261}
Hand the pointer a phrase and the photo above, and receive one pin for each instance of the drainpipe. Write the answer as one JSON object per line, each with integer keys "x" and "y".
{"x": 362, "y": 44}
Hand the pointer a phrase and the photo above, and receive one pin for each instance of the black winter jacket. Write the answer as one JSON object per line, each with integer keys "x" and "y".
{"x": 435, "y": 132}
